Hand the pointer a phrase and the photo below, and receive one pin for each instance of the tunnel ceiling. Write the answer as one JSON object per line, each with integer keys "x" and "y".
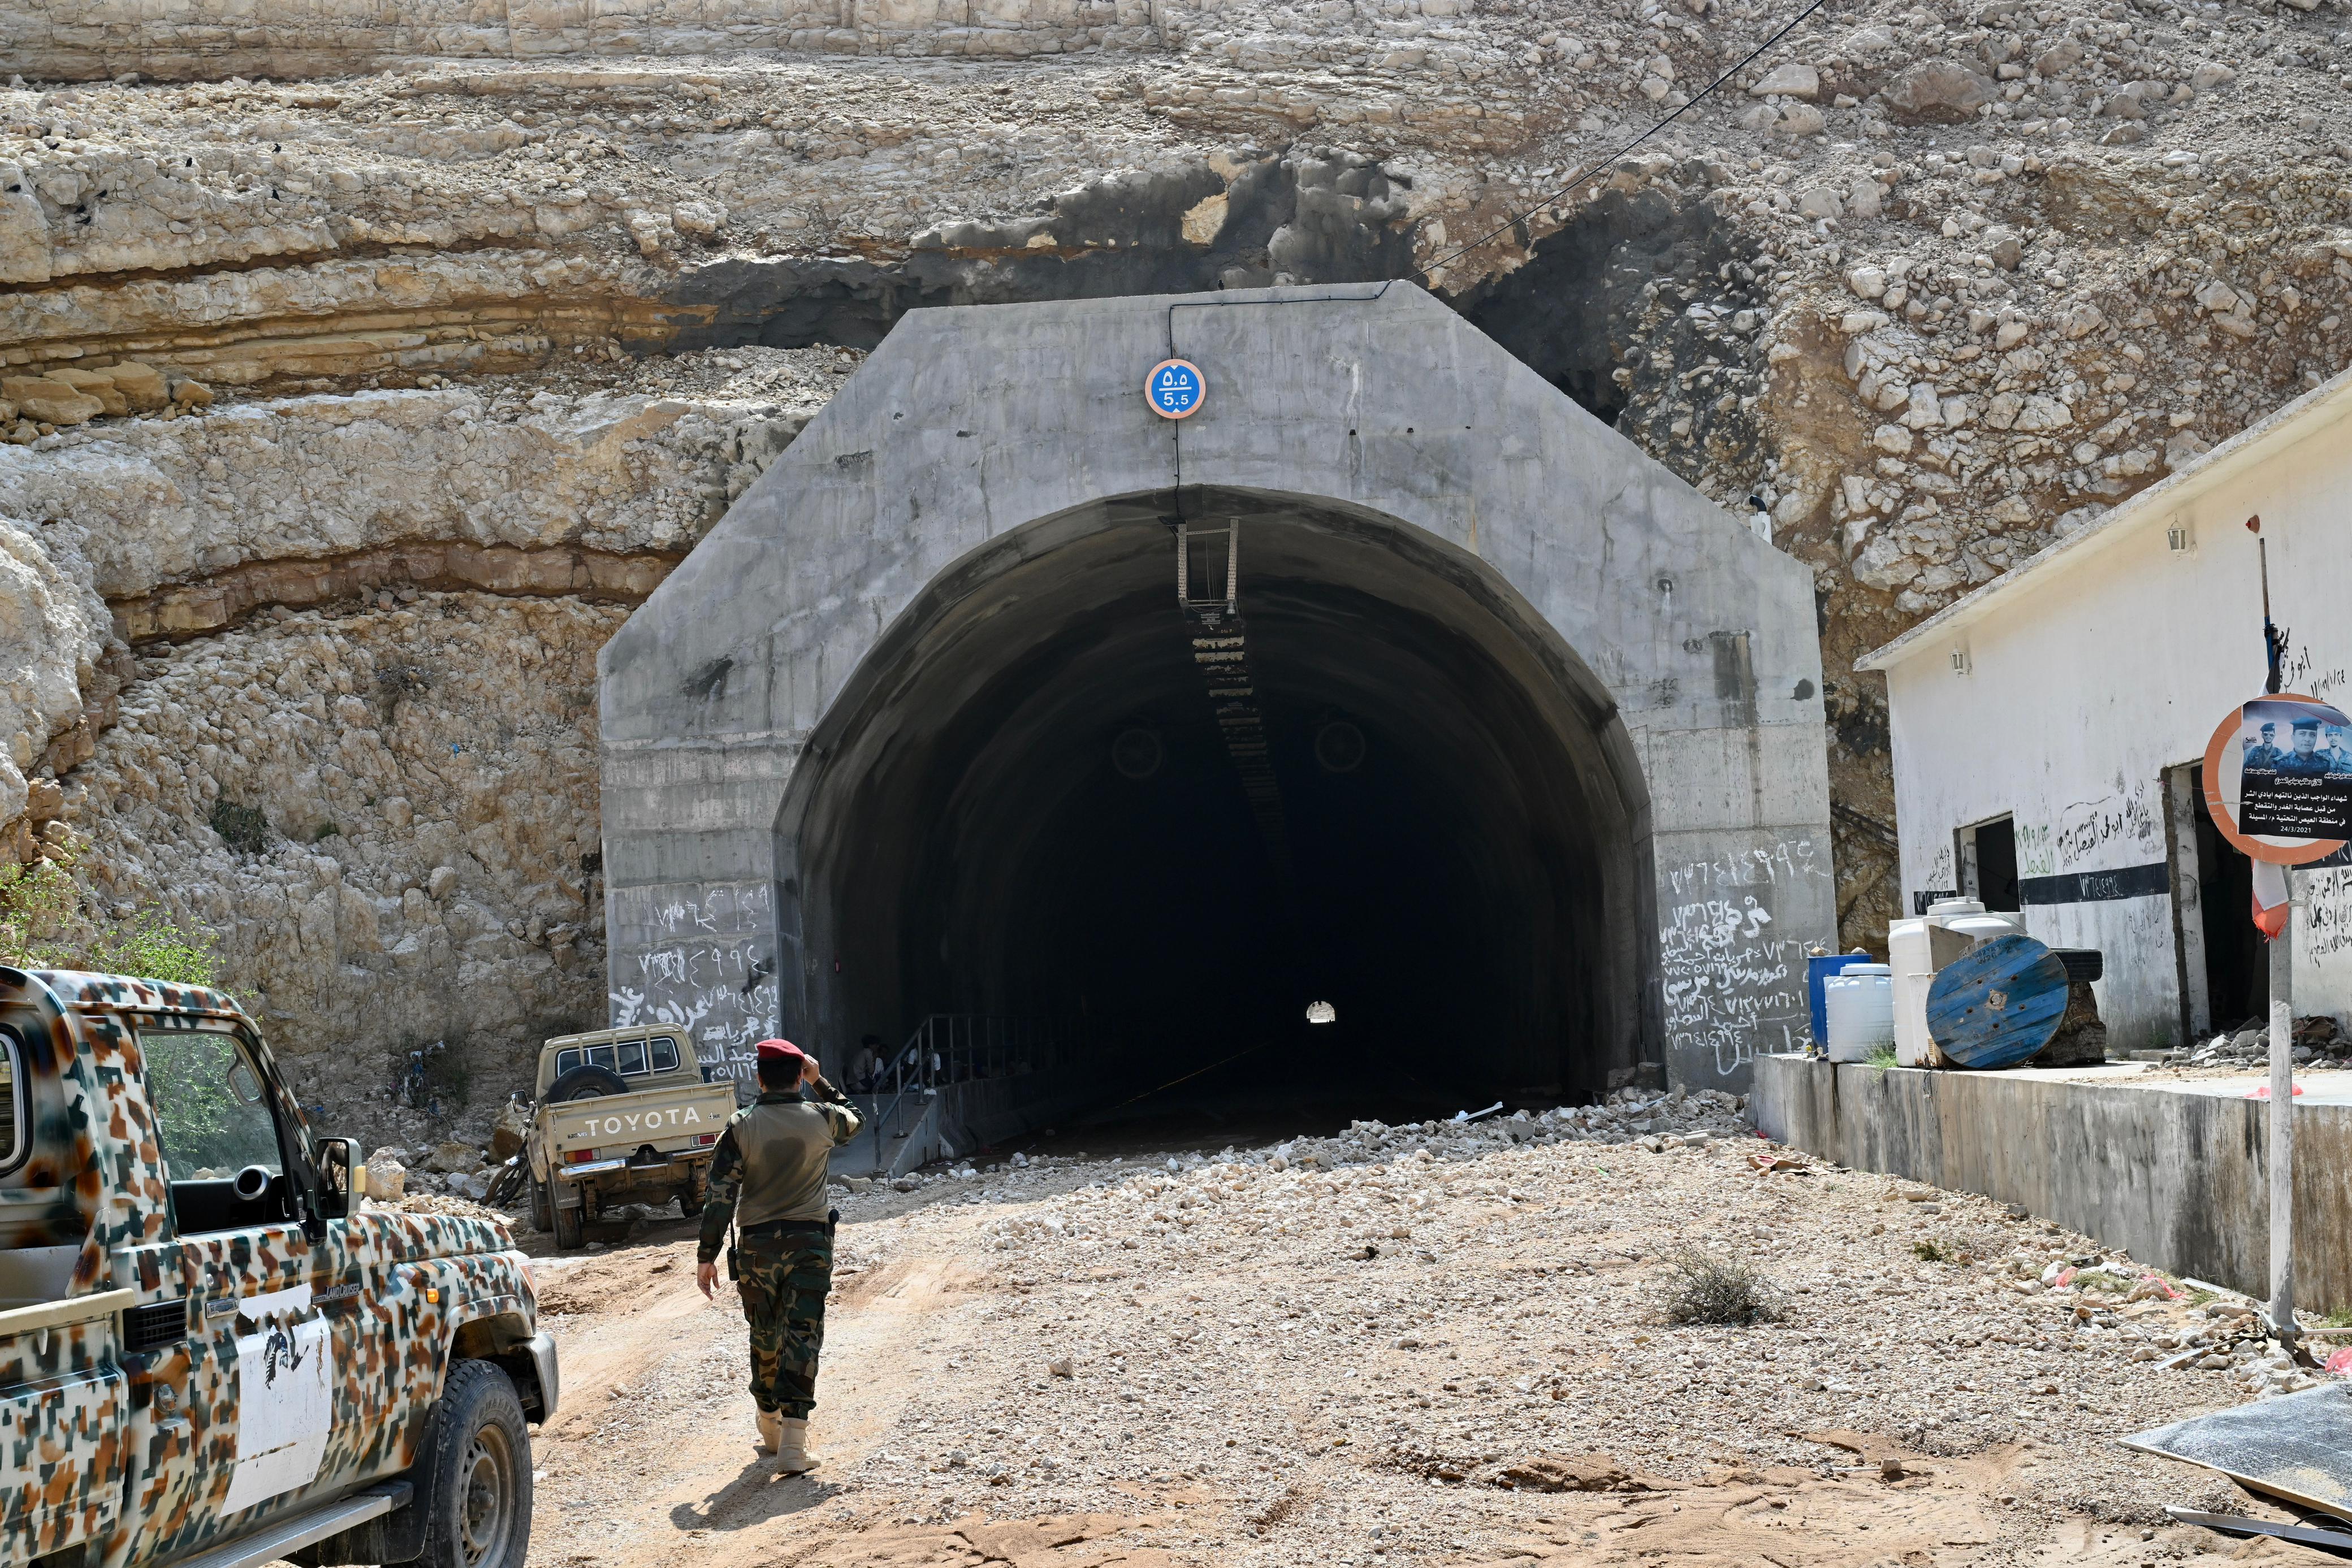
{"x": 973, "y": 845}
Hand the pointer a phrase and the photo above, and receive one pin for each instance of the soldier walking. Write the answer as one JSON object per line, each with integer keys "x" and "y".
{"x": 768, "y": 1177}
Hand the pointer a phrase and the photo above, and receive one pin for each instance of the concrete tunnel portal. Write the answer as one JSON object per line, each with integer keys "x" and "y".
{"x": 919, "y": 728}
{"x": 1026, "y": 808}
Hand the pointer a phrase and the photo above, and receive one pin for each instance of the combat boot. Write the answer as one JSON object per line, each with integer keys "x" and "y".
{"x": 793, "y": 1456}
{"x": 771, "y": 1431}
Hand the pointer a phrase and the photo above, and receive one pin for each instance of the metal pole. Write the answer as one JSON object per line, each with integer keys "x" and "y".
{"x": 2282, "y": 1124}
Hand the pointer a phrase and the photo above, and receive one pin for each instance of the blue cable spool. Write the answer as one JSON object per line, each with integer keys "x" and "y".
{"x": 1998, "y": 1005}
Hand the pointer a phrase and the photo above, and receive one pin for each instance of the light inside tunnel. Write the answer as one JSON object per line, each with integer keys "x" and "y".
{"x": 1023, "y": 808}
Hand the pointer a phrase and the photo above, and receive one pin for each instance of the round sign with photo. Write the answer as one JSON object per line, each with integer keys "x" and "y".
{"x": 1176, "y": 387}
{"x": 2278, "y": 778}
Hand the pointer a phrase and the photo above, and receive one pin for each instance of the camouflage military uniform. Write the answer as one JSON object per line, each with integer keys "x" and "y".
{"x": 783, "y": 1299}
{"x": 768, "y": 1177}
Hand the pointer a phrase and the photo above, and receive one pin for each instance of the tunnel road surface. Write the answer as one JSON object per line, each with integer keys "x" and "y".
{"x": 1103, "y": 1362}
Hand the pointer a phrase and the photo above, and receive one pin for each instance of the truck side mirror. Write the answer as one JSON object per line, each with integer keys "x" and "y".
{"x": 342, "y": 1178}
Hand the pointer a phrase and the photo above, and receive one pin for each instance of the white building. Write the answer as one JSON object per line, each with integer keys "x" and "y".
{"x": 2048, "y": 728}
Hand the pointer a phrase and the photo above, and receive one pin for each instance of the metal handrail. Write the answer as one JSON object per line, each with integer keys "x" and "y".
{"x": 956, "y": 1047}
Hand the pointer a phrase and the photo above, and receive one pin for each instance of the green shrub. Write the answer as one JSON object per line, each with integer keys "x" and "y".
{"x": 155, "y": 946}
{"x": 38, "y": 904}
{"x": 1881, "y": 1058}
{"x": 242, "y": 828}
{"x": 45, "y": 925}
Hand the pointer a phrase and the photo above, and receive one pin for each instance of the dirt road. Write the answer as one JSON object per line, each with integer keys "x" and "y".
{"x": 1400, "y": 1361}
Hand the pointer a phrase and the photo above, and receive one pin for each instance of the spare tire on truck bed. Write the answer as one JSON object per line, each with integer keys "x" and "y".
{"x": 585, "y": 1083}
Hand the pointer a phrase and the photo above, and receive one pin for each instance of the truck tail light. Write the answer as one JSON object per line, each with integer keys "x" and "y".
{"x": 581, "y": 1156}
{"x": 705, "y": 1140}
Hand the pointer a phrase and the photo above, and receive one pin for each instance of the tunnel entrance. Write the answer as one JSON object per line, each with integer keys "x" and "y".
{"x": 1026, "y": 809}
{"x": 918, "y": 730}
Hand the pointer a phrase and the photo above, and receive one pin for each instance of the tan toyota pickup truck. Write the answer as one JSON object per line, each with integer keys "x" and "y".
{"x": 212, "y": 1354}
{"x": 624, "y": 1116}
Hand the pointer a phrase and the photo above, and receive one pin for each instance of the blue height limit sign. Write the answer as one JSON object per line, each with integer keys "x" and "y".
{"x": 1175, "y": 388}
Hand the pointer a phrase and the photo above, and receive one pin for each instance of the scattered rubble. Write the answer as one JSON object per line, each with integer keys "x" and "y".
{"x": 1408, "y": 1349}
{"x": 2319, "y": 1042}
{"x": 1447, "y": 1191}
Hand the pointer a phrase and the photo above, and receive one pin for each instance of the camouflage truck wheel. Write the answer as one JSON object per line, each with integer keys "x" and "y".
{"x": 481, "y": 1480}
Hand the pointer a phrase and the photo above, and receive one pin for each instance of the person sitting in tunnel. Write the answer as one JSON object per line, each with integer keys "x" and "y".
{"x": 866, "y": 1068}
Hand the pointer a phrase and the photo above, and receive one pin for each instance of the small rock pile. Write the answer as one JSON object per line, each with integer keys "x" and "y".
{"x": 1658, "y": 1121}
{"x": 2319, "y": 1041}
{"x": 1629, "y": 1113}
{"x": 451, "y": 1167}
{"x": 2234, "y": 1339}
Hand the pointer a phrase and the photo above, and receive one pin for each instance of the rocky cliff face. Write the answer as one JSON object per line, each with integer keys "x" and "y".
{"x": 435, "y": 352}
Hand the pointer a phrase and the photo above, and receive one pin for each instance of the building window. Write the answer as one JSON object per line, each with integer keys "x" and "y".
{"x": 1988, "y": 857}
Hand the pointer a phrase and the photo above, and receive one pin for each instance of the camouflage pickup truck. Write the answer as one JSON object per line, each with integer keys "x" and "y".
{"x": 212, "y": 1353}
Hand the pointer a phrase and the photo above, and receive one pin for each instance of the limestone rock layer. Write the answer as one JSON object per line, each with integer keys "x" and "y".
{"x": 346, "y": 338}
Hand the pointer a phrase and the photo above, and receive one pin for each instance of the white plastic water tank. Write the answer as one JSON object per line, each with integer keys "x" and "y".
{"x": 1911, "y": 953}
{"x": 1981, "y": 925}
{"x": 1861, "y": 1006}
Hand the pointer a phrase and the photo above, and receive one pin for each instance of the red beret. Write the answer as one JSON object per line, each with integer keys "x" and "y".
{"x": 780, "y": 1051}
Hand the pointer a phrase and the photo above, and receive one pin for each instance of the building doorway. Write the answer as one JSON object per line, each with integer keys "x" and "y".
{"x": 1988, "y": 856}
{"x": 2223, "y": 954}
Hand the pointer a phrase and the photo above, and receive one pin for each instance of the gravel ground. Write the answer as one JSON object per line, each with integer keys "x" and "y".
{"x": 1443, "y": 1343}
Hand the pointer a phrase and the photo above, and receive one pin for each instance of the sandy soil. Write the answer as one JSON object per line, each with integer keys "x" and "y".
{"x": 1107, "y": 1363}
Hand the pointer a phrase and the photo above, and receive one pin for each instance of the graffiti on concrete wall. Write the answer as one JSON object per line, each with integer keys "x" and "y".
{"x": 705, "y": 964}
{"x": 2037, "y": 850}
{"x": 2088, "y": 827}
{"x": 2304, "y": 671}
{"x": 2326, "y": 914}
{"x": 1733, "y": 971}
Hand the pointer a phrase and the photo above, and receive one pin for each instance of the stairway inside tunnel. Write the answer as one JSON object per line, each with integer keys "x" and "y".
{"x": 1023, "y": 807}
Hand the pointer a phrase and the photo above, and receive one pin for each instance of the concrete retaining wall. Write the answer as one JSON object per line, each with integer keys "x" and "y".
{"x": 2180, "y": 1178}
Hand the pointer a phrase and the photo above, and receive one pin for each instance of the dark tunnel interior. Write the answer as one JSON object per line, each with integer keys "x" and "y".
{"x": 1024, "y": 810}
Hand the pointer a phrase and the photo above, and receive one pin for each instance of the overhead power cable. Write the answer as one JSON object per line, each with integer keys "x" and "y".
{"x": 1508, "y": 224}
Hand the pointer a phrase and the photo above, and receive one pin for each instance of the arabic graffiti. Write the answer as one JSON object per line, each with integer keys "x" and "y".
{"x": 1733, "y": 975}
{"x": 2037, "y": 850}
{"x": 2327, "y": 924}
{"x": 2087, "y": 826}
{"x": 1763, "y": 866}
{"x": 2300, "y": 671}
{"x": 705, "y": 965}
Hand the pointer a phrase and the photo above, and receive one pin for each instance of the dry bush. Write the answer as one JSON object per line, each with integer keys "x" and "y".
{"x": 1702, "y": 1287}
